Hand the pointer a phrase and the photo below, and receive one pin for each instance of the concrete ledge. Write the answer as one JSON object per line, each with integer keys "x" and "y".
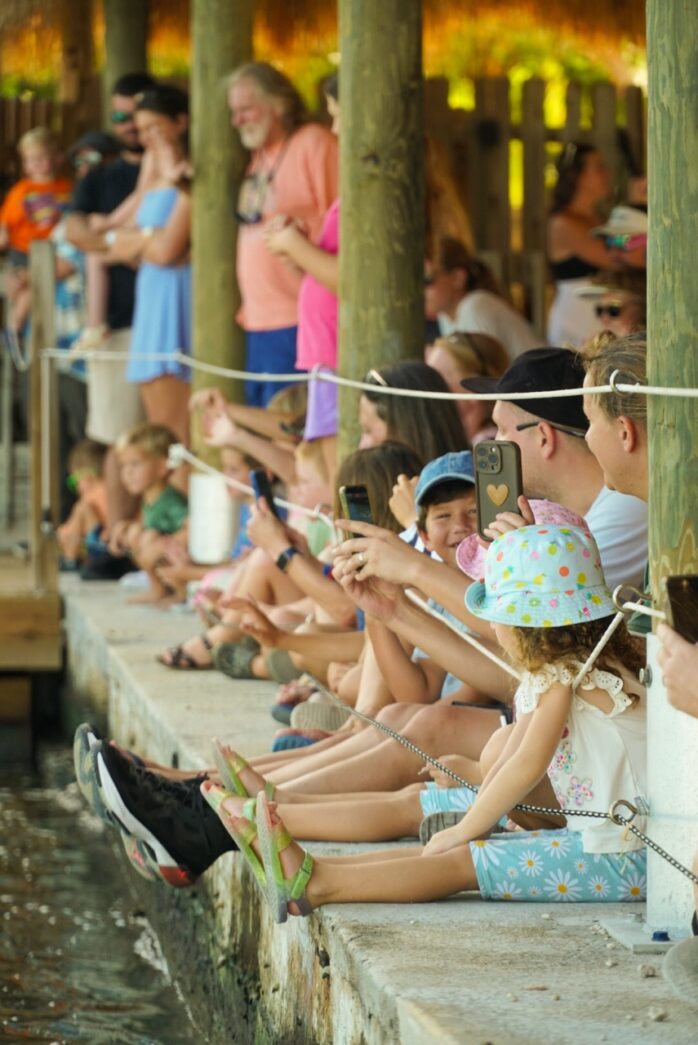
{"x": 458, "y": 971}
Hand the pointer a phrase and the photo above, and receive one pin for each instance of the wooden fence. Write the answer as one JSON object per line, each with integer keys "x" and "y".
{"x": 478, "y": 144}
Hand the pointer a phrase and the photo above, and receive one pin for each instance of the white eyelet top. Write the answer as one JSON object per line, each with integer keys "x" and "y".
{"x": 601, "y": 755}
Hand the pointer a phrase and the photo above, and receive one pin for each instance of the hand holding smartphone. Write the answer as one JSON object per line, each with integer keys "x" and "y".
{"x": 498, "y": 483}
{"x": 355, "y": 504}
{"x": 262, "y": 489}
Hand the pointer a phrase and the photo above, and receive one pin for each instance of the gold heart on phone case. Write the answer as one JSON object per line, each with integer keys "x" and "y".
{"x": 498, "y": 494}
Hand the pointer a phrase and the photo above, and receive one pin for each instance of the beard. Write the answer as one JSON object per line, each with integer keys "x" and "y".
{"x": 254, "y": 135}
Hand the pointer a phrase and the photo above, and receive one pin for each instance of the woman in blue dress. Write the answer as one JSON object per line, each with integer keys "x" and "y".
{"x": 160, "y": 242}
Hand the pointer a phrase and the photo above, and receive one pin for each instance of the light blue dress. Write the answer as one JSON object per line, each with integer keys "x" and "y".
{"x": 162, "y": 313}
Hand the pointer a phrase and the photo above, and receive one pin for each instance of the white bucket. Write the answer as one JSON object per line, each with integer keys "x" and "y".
{"x": 213, "y": 519}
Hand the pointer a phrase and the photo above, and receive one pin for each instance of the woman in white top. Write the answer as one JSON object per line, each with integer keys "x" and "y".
{"x": 575, "y": 747}
{"x": 462, "y": 294}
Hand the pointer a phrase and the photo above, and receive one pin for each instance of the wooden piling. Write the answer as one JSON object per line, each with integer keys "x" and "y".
{"x": 381, "y": 281}
{"x": 221, "y": 40}
{"x": 126, "y": 41}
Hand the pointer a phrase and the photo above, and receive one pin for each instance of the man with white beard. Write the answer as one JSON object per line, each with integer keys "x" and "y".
{"x": 291, "y": 177}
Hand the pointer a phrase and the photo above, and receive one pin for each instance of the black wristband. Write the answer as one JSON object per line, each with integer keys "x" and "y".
{"x": 285, "y": 558}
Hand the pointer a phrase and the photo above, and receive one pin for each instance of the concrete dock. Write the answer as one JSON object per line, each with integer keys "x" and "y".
{"x": 462, "y": 971}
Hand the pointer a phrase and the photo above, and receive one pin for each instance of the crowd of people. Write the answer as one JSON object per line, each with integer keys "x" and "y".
{"x": 316, "y": 602}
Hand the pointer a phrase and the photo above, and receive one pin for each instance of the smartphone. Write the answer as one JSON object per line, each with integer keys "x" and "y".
{"x": 498, "y": 484}
{"x": 262, "y": 489}
{"x": 682, "y": 607}
{"x": 355, "y": 504}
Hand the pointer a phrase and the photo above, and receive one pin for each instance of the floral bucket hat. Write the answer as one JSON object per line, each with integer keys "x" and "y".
{"x": 542, "y": 576}
{"x": 470, "y": 554}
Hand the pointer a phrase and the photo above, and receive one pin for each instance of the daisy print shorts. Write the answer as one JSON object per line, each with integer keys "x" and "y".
{"x": 545, "y": 866}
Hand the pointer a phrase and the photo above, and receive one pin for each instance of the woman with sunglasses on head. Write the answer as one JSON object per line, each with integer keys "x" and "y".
{"x": 461, "y": 355}
{"x": 462, "y": 294}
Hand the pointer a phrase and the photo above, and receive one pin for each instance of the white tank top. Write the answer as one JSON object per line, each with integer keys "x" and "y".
{"x": 601, "y": 756}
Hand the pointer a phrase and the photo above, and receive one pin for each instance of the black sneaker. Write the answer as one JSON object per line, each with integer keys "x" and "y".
{"x": 180, "y": 829}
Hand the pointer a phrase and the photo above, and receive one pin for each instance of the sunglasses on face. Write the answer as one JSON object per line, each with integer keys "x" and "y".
{"x": 122, "y": 117}
{"x": 613, "y": 311}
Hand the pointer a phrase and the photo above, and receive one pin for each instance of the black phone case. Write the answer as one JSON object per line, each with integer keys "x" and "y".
{"x": 498, "y": 483}
{"x": 682, "y": 607}
{"x": 262, "y": 488}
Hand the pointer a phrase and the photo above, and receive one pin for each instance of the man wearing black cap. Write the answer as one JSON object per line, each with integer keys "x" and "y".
{"x": 556, "y": 461}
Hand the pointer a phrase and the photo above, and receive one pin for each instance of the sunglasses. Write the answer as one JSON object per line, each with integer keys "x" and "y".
{"x": 613, "y": 311}
{"x": 626, "y": 241}
{"x": 122, "y": 117}
{"x": 568, "y": 429}
{"x": 374, "y": 377}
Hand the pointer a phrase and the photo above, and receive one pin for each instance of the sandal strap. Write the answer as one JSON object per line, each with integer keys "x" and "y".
{"x": 249, "y": 812}
{"x": 269, "y": 789}
{"x": 297, "y": 885}
{"x": 208, "y": 645}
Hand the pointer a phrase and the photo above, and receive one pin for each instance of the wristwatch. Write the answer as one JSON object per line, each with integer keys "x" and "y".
{"x": 285, "y": 558}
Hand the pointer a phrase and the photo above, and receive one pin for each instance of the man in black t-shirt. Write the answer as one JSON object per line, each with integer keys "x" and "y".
{"x": 113, "y": 404}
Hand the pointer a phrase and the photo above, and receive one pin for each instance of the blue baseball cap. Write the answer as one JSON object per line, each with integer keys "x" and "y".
{"x": 444, "y": 469}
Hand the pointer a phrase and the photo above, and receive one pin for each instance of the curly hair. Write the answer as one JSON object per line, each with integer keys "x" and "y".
{"x": 536, "y": 647}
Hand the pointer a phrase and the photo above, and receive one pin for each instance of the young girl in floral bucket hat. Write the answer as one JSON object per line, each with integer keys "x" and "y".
{"x": 545, "y": 595}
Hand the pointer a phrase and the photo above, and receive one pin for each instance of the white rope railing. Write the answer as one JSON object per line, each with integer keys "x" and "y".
{"x": 613, "y": 387}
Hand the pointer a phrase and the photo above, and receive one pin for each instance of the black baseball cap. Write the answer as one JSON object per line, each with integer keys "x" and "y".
{"x": 541, "y": 370}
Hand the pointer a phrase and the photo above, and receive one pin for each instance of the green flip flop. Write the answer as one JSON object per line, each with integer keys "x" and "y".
{"x": 230, "y": 766}
{"x": 243, "y": 836}
{"x": 279, "y": 890}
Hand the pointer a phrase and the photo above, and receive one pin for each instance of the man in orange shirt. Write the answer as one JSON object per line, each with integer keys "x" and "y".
{"x": 29, "y": 212}
{"x": 292, "y": 176}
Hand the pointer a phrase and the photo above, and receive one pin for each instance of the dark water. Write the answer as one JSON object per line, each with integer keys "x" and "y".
{"x": 78, "y": 961}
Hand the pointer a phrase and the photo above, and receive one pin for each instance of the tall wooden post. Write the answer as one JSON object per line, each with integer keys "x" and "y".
{"x": 126, "y": 40}
{"x": 381, "y": 282}
{"x": 221, "y": 40}
{"x": 672, "y": 29}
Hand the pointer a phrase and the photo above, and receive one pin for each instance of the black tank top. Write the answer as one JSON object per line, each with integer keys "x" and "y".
{"x": 572, "y": 268}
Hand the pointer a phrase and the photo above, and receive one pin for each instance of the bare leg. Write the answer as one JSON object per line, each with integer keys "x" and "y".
{"x": 409, "y": 877}
{"x": 165, "y": 401}
{"x": 120, "y": 503}
{"x": 439, "y": 729}
{"x": 397, "y": 716}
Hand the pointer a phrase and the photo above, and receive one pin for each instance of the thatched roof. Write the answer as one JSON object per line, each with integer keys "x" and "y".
{"x": 285, "y": 19}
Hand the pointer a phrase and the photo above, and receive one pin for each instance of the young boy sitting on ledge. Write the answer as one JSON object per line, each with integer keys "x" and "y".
{"x": 145, "y": 471}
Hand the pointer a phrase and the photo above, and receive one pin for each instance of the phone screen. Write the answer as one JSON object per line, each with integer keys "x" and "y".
{"x": 262, "y": 488}
{"x": 682, "y": 593}
{"x": 355, "y": 504}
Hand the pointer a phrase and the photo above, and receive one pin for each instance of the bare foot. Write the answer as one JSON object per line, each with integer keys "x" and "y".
{"x": 194, "y": 653}
{"x": 294, "y": 692}
{"x": 291, "y": 858}
{"x": 147, "y": 598}
{"x": 251, "y": 780}
{"x": 311, "y": 734}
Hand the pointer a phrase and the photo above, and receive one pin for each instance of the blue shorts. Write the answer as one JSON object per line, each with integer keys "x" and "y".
{"x": 268, "y": 352}
{"x": 540, "y": 866}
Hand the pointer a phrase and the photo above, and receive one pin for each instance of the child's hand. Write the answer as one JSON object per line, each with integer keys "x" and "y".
{"x": 402, "y": 501}
{"x": 254, "y": 622}
{"x": 219, "y": 429}
{"x": 268, "y": 532}
{"x": 457, "y": 763}
{"x": 208, "y": 399}
{"x": 444, "y": 841}
{"x": 281, "y": 236}
{"x": 508, "y": 521}
{"x": 375, "y": 597}
{"x": 99, "y": 222}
